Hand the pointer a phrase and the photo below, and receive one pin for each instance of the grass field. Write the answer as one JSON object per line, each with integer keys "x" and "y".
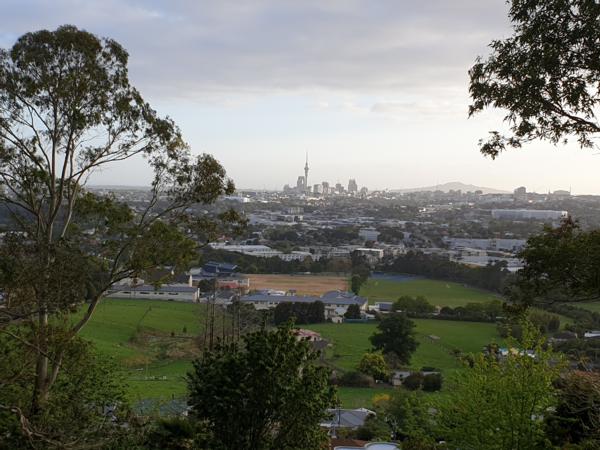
{"x": 590, "y": 306}
{"x": 303, "y": 284}
{"x": 360, "y": 397}
{"x": 148, "y": 339}
{"x": 351, "y": 340}
{"x": 440, "y": 293}
{"x": 137, "y": 333}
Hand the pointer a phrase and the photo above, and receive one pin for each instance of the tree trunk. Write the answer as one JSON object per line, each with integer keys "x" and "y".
{"x": 40, "y": 389}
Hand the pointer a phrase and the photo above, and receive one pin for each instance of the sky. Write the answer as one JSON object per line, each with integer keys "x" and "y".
{"x": 375, "y": 90}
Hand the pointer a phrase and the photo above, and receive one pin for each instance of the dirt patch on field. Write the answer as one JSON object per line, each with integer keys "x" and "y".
{"x": 303, "y": 284}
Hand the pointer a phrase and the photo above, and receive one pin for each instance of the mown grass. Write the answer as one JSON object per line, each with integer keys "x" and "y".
{"x": 351, "y": 340}
{"x": 137, "y": 333}
{"x": 440, "y": 293}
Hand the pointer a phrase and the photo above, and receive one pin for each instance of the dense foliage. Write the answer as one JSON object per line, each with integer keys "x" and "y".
{"x": 265, "y": 392}
{"x": 498, "y": 402}
{"x": 561, "y": 265}
{"x": 396, "y": 336}
{"x": 545, "y": 75}
{"x": 301, "y": 313}
{"x": 374, "y": 364}
{"x": 493, "y": 277}
{"x": 67, "y": 109}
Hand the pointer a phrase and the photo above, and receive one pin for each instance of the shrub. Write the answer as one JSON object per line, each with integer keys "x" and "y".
{"x": 414, "y": 381}
{"x": 432, "y": 382}
{"x": 356, "y": 379}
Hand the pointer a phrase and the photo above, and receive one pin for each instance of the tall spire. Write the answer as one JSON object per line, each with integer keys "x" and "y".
{"x": 306, "y": 171}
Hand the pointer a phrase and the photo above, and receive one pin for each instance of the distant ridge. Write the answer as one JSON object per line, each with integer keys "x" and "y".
{"x": 454, "y": 186}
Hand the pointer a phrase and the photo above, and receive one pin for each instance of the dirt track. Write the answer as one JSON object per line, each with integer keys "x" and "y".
{"x": 303, "y": 284}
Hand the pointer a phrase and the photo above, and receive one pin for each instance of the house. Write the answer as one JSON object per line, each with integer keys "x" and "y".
{"x": 213, "y": 268}
{"x": 383, "y": 307}
{"x": 221, "y": 276}
{"x": 399, "y": 376}
{"x": 149, "y": 292}
{"x": 563, "y": 336}
{"x": 368, "y": 446}
{"x": 307, "y": 335}
{"x": 346, "y": 418}
{"x": 336, "y": 302}
{"x": 592, "y": 334}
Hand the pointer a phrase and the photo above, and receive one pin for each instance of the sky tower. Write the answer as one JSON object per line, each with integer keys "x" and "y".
{"x": 306, "y": 172}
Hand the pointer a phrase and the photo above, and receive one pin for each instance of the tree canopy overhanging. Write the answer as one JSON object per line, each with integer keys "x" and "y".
{"x": 546, "y": 76}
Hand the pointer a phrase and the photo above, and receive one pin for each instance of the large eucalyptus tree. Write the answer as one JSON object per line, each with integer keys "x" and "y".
{"x": 67, "y": 109}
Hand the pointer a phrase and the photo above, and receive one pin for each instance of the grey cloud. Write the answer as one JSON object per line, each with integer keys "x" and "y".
{"x": 202, "y": 48}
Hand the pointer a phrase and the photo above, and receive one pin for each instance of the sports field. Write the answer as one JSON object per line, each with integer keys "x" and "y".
{"x": 440, "y": 293}
{"x": 303, "y": 284}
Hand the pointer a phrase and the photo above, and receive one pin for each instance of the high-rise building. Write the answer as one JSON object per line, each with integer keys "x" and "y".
{"x": 339, "y": 188}
{"x": 306, "y": 171}
{"x": 301, "y": 183}
{"x": 352, "y": 186}
{"x": 520, "y": 194}
{"x": 326, "y": 190}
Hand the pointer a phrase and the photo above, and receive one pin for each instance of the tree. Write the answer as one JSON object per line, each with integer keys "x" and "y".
{"x": 356, "y": 282}
{"x": 432, "y": 382}
{"x": 561, "y": 265}
{"x": 545, "y": 75}
{"x": 374, "y": 429}
{"x": 353, "y": 312}
{"x": 413, "y": 305}
{"x": 576, "y": 418}
{"x": 407, "y": 415}
{"x": 414, "y": 381}
{"x": 266, "y": 392}
{"x": 301, "y": 313}
{"x": 374, "y": 364}
{"x": 499, "y": 403}
{"x": 67, "y": 109}
{"x": 88, "y": 406}
{"x": 396, "y": 335}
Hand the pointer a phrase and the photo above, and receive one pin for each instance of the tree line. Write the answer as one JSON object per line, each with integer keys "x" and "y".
{"x": 493, "y": 277}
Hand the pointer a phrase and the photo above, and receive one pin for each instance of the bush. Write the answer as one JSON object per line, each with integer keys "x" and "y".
{"x": 374, "y": 364}
{"x": 356, "y": 379}
{"x": 414, "y": 381}
{"x": 432, "y": 382}
{"x": 373, "y": 429}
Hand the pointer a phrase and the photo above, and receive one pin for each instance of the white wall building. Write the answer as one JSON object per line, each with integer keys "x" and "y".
{"x": 525, "y": 214}
{"x": 369, "y": 234}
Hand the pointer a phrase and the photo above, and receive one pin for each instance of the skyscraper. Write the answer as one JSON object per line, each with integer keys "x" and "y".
{"x": 306, "y": 171}
{"x": 352, "y": 186}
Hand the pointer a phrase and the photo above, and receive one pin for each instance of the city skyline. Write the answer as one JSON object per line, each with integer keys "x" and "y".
{"x": 378, "y": 87}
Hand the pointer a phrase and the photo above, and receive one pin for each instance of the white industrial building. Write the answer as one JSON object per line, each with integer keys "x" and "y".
{"x": 147, "y": 292}
{"x": 262, "y": 251}
{"x": 526, "y": 214}
{"x": 369, "y": 234}
{"x": 508, "y": 245}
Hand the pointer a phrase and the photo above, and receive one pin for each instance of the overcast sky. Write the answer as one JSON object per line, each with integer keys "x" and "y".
{"x": 373, "y": 90}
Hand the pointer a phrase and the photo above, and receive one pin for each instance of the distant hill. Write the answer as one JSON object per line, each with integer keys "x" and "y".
{"x": 454, "y": 186}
